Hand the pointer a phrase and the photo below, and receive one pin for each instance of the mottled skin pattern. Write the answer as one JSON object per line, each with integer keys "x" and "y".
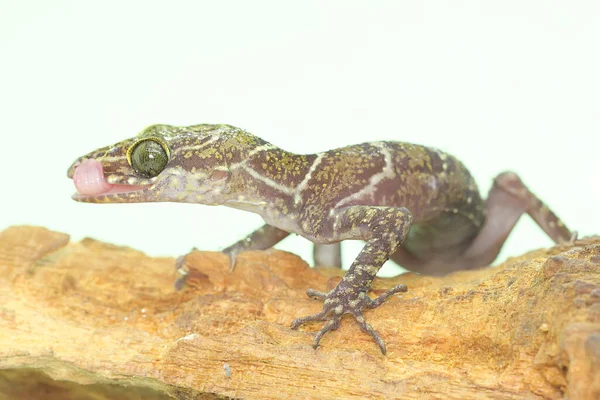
{"x": 416, "y": 205}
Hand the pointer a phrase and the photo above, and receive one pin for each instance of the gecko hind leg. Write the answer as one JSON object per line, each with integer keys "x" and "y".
{"x": 508, "y": 199}
{"x": 328, "y": 255}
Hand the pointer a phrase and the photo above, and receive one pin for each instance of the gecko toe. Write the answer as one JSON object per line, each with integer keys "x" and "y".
{"x": 232, "y": 259}
{"x": 331, "y": 325}
{"x": 366, "y": 327}
{"x": 180, "y": 264}
{"x": 182, "y": 269}
{"x": 321, "y": 316}
{"x": 377, "y": 338}
{"x": 381, "y": 299}
{"x": 314, "y": 294}
{"x": 180, "y": 283}
{"x": 232, "y": 253}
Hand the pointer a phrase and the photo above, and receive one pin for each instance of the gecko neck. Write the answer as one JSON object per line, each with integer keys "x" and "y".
{"x": 269, "y": 181}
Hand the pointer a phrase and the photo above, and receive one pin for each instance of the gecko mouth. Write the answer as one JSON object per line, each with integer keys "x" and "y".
{"x": 90, "y": 182}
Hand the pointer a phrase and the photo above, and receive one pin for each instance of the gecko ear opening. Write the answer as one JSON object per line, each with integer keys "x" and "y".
{"x": 219, "y": 175}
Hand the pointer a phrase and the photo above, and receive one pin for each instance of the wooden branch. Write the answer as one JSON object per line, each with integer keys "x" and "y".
{"x": 86, "y": 318}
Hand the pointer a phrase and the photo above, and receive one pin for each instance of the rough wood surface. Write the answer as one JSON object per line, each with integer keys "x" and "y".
{"x": 92, "y": 320}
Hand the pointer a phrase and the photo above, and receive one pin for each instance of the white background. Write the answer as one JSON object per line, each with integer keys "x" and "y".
{"x": 502, "y": 85}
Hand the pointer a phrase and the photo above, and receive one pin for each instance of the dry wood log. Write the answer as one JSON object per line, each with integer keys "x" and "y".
{"x": 90, "y": 320}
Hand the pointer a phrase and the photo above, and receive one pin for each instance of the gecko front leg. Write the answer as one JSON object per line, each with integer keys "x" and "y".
{"x": 384, "y": 229}
{"x": 263, "y": 238}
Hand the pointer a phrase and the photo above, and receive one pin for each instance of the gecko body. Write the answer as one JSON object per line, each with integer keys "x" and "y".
{"x": 413, "y": 204}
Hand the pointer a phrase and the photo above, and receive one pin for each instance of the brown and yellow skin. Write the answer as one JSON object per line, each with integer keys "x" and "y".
{"x": 415, "y": 205}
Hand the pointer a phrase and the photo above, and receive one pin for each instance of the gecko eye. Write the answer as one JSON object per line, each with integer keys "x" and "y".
{"x": 148, "y": 157}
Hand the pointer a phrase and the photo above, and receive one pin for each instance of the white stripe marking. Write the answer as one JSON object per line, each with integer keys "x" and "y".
{"x": 302, "y": 185}
{"x": 269, "y": 182}
{"x": 386, "y": 172}
{"x": 196, "y": 146}
{"x": 252, "y": 153}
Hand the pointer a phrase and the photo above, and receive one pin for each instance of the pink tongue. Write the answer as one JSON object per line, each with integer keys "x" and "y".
{"x": 89, "y": 178}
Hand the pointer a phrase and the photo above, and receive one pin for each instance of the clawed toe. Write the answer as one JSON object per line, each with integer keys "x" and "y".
{"x": 232, "y": 260}
{"x": 183, "y": 271}
{"x": 331, "y": 325}
{"x": 180, "y": 264}
{"x": 365, "y": 327}
{"x": 182, "y": 268}
{"x": 316, "y": 294}
{"x": 322, "y": 316}
{"x": 381, "y": 299}
{"x": 232, "y": 253}
{"x": 342, "y": 301}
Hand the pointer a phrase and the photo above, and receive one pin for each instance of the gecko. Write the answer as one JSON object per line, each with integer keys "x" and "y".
{"x": 415, "y": 205}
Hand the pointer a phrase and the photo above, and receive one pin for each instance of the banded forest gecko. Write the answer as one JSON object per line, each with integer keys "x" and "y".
{"x": 415, "y": 205}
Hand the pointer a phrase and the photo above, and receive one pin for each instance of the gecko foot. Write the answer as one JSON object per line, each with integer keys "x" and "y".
{"x": 182, "y": 269}
{"x": 345, "y": 300}
{"x": 232, "y": 253}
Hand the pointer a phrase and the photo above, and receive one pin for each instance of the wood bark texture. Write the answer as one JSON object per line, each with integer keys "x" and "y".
{"x": 90, "y": 320}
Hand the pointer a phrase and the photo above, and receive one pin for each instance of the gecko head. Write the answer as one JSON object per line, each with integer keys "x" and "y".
{"x": 162, "y": 163}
